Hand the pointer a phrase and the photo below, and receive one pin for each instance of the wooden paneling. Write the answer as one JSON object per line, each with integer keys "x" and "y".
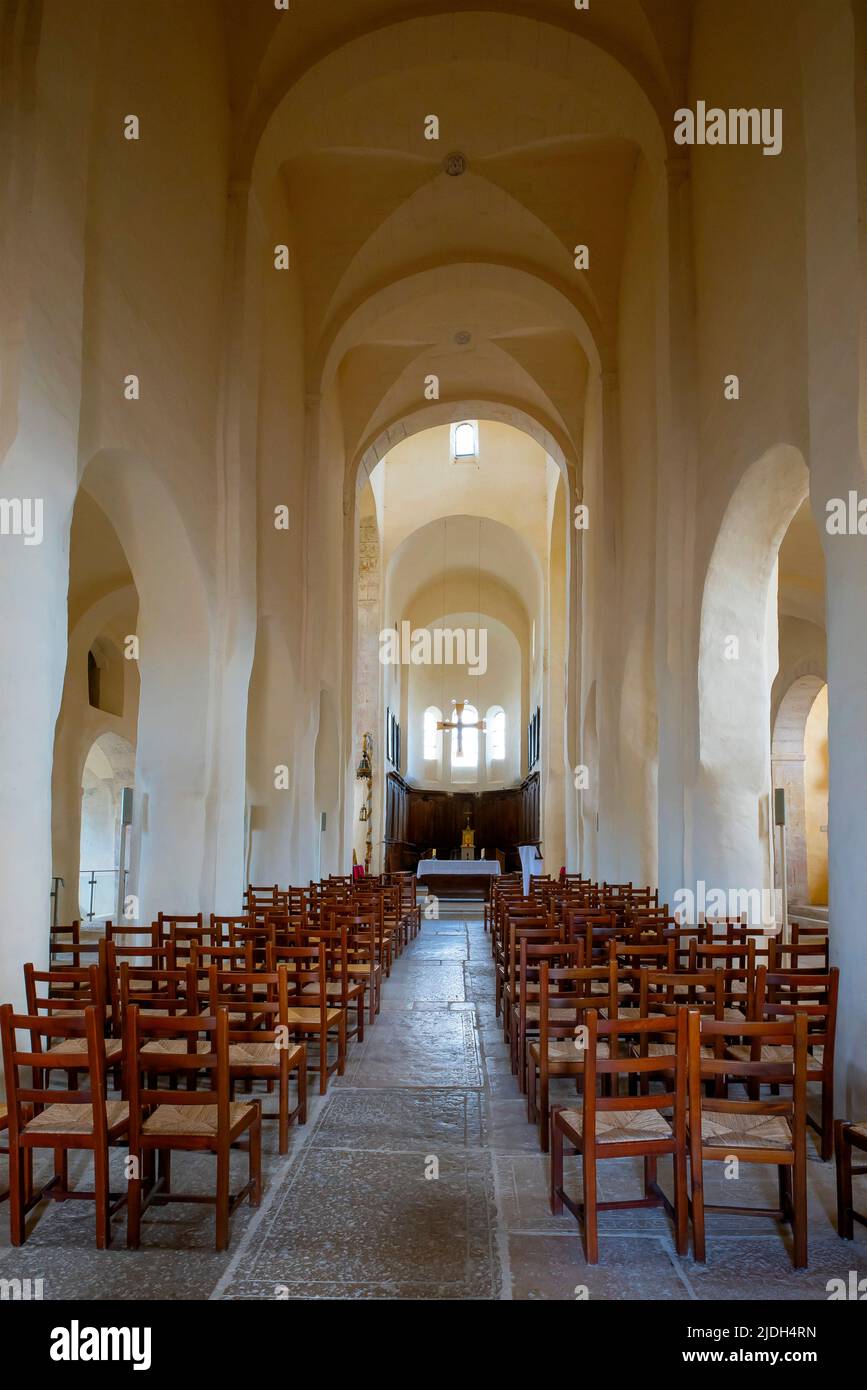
{"x": 530, "y": 810}
{"x": 418, "y": 821}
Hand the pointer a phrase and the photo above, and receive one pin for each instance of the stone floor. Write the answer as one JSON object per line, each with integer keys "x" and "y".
{"x": 418, "y": 1177}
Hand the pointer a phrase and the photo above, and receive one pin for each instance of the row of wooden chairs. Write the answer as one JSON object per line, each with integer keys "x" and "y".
{"x": 150, "y": 1123}
{"x": 682, "y": 1121}
{"x": 144, "y": 1012}
{"x": 567, "y": 951}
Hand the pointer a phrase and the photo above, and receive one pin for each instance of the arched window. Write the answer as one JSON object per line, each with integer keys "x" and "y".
{"x": 465, "y": 440}
{"x": 431, "y": 750}
{"x": 495, "y": 723}
{"x": 465, "y": 745}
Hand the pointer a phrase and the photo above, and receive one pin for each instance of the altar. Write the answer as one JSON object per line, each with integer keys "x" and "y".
{"x": 458, "y": 878}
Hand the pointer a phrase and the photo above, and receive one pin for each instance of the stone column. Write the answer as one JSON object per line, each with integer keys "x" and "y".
{"x": 47, "y": 101}
{"x": 836, "y": 171}
{"x": 676, "y": 644}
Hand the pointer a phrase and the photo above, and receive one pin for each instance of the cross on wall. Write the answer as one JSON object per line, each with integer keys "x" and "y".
{"x": 460, "y": 723}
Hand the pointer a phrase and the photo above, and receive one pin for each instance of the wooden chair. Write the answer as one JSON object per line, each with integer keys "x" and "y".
{"x": 621, "y": 1126}
{"x": 306, "y": 966}
{"x": 779, "y": 995}
{"x": 809, "y": 932}
{"x": 40, "y": 1118}
{"x": 262, "y": 937}
{"x": 808, "y": 957}
{"x": 168, "y": 921}
{"x": 260, "y": 896}
{"x": 168, "y": 991}
{"x": 752, "y": 1131}
{"x": 538, "y": 927}
{"x": 162, "y": 1122}
{"x": 112, "y": 956}
{"x": 65, "y": 947}
{"x": 664, "y": 992}
{"x": 738, "y": 964}
{"x": 525, "y": 1007}
{"x": 343, "y": 990}
{"x": 58, "y": 991}
{"x": 634, "y": 955}
{"x": 848, "y": 1137}
{"x": 259, "y": 1047}
{"x": 127, "y": 934}
{"x": 565, "y": 995}
{"x": 365, "y": 951}
{"x": 203, "y": 956}
{"x": 78, "y": 990}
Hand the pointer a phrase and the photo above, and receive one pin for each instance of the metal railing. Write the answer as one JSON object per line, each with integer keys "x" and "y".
{"x": 101, "y": 903}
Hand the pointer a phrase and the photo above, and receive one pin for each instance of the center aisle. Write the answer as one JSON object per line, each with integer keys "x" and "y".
{"x": 418, "y": 1175}
{"x": 391, "y": 1188}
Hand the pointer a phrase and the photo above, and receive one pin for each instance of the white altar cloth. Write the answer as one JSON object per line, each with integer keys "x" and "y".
{"x": 428, "y": 867}
{"x": 531, "y": 863}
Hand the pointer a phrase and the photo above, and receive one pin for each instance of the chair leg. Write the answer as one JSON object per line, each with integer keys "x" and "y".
{"x": 323, "y": 1060}
{"x": 341, "y": 1044}
{"x": 784, "y": 1179}
{"x": 302, "y": 1089}
{"x": 222, "y": 1202}
{"x": 696, "y": 1168}
{"x": 133, "y": 1203}
{"x": 556, "y": 1167}
{"x": 827, "y": 1135}
{"x": 100, "y": 1192}
{"x": 590, "y": 1228}
{"x": 283, "y": 1108}
{"x": 845, "y": 1220}
{"x": 681, "y": 1223}
{"x": 799, "y": 1209}
{"x": 544, "y": 1120}
{"x": 17, "y": 1200}
{"x": 360, "y": 1008}
{"x": 256, "y": 1162}
{"x": 531, "y": 1091}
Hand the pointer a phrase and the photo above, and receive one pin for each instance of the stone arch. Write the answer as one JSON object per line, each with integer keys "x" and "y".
{"x": 79, "y": 726}
{"x": 448, "y": 412}
{"x": 737, "y": 662}
{"x": 615, "y": 77}
{"x": 547, "y": 293}
{"x": 174, "y": 849}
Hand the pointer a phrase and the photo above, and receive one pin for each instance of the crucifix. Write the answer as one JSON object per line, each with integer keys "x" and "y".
{"x": 460, "y": 724}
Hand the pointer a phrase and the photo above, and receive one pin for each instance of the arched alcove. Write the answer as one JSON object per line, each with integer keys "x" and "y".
{"x": 108, "y": 769}
{"x": 737, "y": 662}
{"x": 799, "y": 761}
{"x": 174, "y": 858}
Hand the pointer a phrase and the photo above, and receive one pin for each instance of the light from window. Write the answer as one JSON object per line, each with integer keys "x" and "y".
{"x": 495, "y": 722}
{"x": 469, "y": 756}
{"x": 465, "y": 440}
{"x": 432, "y": 717}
